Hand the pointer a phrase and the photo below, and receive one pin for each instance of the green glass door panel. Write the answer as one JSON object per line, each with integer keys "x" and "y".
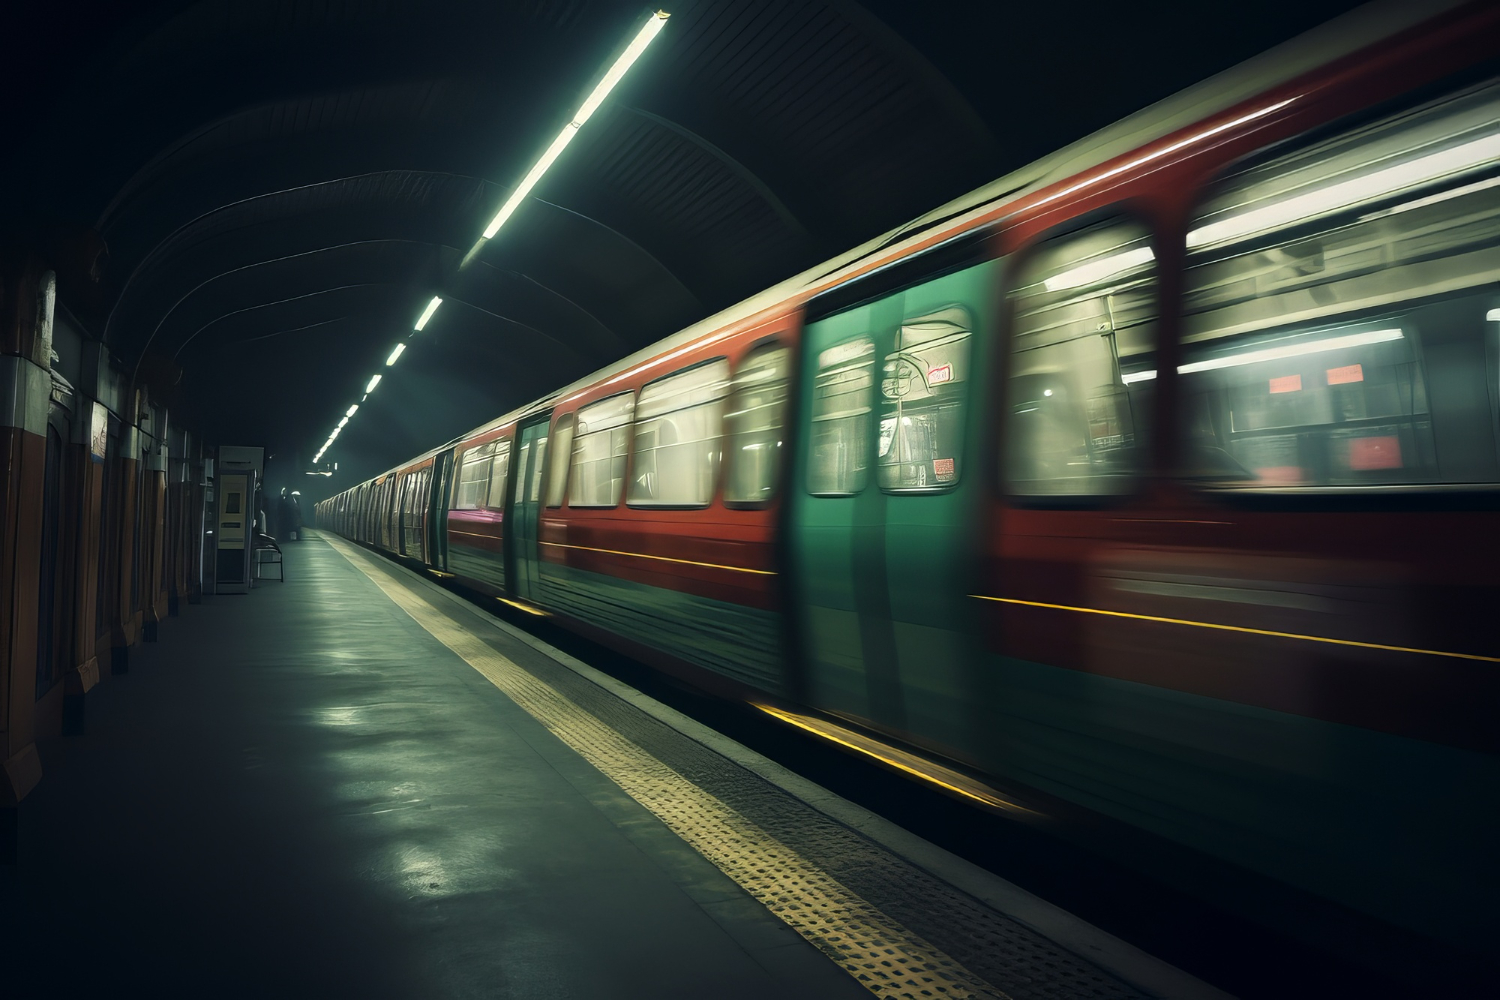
{"x": 524, "y": 514}
{"x": 931, "y": 537}
{"x": 883, "y": 530}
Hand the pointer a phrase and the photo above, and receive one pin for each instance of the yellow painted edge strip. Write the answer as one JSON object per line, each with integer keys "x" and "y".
{"x": 642, "y": 555}
{"x": 530, "y": 609}
{"x": 881, "y": 954}
{"x": 1241, "y": 628}
{"x": 871, "y": 748}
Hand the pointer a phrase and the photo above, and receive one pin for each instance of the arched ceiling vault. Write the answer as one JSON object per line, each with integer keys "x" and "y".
{"x": 282, "y": 184}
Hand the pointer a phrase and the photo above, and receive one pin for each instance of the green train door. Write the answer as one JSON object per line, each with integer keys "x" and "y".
{"x": 437, "y": 510}
{"x": 884, "y": 505}
{"x": 521, "y": 522}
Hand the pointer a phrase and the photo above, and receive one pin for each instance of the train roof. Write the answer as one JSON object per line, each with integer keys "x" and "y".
{"x": 1341, "y": 36}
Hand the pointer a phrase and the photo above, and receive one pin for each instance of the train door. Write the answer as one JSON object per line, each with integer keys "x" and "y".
{"x": 525, "y": 510}
{"x": 437, "y": 510}
{"x": 413, "y": 503}
{"x": 884, "y": 505}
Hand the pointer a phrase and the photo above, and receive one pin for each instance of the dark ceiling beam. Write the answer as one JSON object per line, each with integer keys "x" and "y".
{"x": 158, "y": 210}
{"x": 749, "y": 177}
{"x": 187, "y": 71}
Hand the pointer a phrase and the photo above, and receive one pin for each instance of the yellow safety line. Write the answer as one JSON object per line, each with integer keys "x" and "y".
{"x": 882, "y": 955}
{"x": 1241, "y": 628}
{"x": 642, "y": 555}
{"x": 530, "y": 609}
{"x": 927, "y": 771}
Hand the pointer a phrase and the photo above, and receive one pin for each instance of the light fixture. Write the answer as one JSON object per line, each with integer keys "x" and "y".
{"x": 643, "y": 38}
{"x": 1291, "y": 351}
{"x": 1493, "y": 316}
{"x": 370, "y": 387}
{"x": 394, "y": 355}
{"x": 1347, "y": 194}
{"x": 350, "y": 412}
{"x": 1278, "y": 353}
{"x": 432, "y": 307}
{"x": 343, "y": 421}
{"x": 1097, "y": 270}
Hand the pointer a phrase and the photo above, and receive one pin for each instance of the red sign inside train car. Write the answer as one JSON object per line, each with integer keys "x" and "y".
{"x": 1346, "y": 374}
{"x": 942, "y": 468}
{"x": 1287, "y": 383}
{"x": 940, "y": 374}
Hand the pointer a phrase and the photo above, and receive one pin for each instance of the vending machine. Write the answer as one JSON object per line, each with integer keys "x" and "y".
{"x": 238, "y": 473}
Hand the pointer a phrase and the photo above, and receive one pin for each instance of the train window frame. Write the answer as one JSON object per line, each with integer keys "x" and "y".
{"x": 1014, "y": 267}
{"x": 627, "y": 426}
{"x": 867, "y": 439}
{"x": 775, "y": 342}
{"x": 482, "y": 454}
{"x": 559, "y": 460}
{"x": 635, "y": 435}
{"x": 503, "y": 448}
{"x": 1322, "y": 145}
{"x": 964, "y": 399}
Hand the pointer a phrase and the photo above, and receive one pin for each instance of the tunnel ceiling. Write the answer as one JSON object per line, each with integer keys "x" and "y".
{"x": 281, "y": 186}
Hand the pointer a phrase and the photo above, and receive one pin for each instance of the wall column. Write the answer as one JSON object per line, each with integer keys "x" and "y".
{"x": 27, "y": 296}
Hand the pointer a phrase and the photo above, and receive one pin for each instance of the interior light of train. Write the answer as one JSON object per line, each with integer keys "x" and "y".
{"x": 374, "y": 381}
{"x": 350, "y": 412}
{"x": 395, "y": 354}
{"x": 1493, "y": 316}
{"x": 1132, "y": 378}
{"x": 1347, "y": 194}
{"x": 432, "y": 307}
{"x": 1433, "y": 199}
{"x": 643, "y": 38}
{"x": 343, "y": 421}
{"x": 1292, "y": 350}
{"x": 1098, "y": 270}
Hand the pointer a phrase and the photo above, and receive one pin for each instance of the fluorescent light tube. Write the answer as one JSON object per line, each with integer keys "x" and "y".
{"x": 394, "y": 355}
{"x": 432, "y": 307}
{"x": 1346, "y": 194}
{"x": 1292, "y": 351}
{"x": 374, "y": 381}
{"x": 343, "y": 421}
{"x": 1493, "y": 316}
{"x": 633, "y": 51}
{"x": 350, "y": 412}
{"x": 1135, "y": 377}
{"x": 1098, "y": 270}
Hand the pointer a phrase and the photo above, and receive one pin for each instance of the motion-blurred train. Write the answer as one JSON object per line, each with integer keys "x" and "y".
{"x": 1157, "y": 480}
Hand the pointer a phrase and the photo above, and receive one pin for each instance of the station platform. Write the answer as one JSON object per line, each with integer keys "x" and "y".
{"x": 355, "y": 783}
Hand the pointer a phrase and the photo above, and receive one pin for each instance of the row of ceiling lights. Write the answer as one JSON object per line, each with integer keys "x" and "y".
{"x": 616, "y": 72}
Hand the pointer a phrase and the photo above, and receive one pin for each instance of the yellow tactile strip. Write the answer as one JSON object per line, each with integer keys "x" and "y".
{"x": 883, "y": 956}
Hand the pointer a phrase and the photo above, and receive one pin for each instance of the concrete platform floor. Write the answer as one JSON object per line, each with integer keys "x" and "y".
{"x": 302, "y": 792}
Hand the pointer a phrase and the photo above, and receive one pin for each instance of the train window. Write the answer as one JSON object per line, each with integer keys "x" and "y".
{"x": 600, "y": 443}
{"x": 498, "y": 469}
{"x": 922, "y": 388}
{"x": 841, "y": 419}
{"x": 473, "y": 478}
{"x": 520, "y": 477}
{"x": 1082, "y": 370}
{"x": 535, "y": 492}
{"x": 679, "y": 422}
{"x": 1341, "y": 309}
{"x": 557, "y": 476}
{"x": 754, "y": 421}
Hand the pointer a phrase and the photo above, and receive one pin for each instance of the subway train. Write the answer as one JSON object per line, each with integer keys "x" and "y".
{"x": 1156, "y": 483}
